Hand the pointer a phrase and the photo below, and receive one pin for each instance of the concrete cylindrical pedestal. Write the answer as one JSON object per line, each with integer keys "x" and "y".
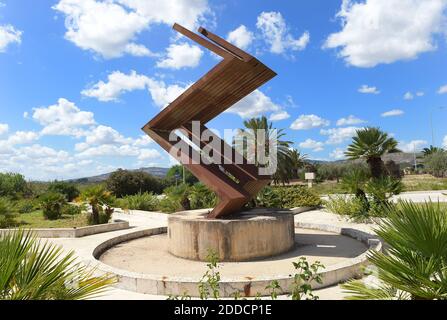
{"x": 249, "y": 235}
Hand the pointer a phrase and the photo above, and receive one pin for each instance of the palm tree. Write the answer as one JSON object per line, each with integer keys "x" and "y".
{"x": 431, "y": 150}
{"x": 98, "y": 197}
{"x": 30, "y": 270}
{"x": 297, "y": 161}
{"x": 371, "y": 144}
{"x": 251, "y": 130}
{"x": 415, "y": 265}
{"x": 272, "y": 140}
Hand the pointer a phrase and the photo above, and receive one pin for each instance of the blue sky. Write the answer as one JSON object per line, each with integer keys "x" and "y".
{"x": 79, "y": 78}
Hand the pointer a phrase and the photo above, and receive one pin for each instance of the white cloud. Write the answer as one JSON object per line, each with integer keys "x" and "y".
{"x": 4, "y": 128}
{"x": 163, "y": 94}
{"x": 278, "y": 116}
{"x": 180, "y": 56}
{"x": 445, "y": 142}
{"x": 339, "y": 135}
{"x": 255, "y": 105}
{"x": 276, "y": 33}
{"x": 241, "y": 37}
{"x": 109, "y": 150}
{"x": 105, "y": 135}
{"x": 420, "y": 94}
{"x": 349, "y": 121}
{"x": 408, "y": 96}
{"x": 393, "y": 113}
{"x": 22, "y": 137}
{"x": 189, "y": 13}
{"x": 368, "y": 90}
{"x": 316, "y": 146}
{"x": 143, "y": 141}
{"x": 411, "y": 146}
{"x": 139, "y": 50}
{"x": 337, "y": 154}
{"x": 104, "y": 27}
{"x": 148, "y": 154}
{"x": 310, "y": 121}
{"x": 9, "y": 35}
{"x": 384, "y": 31}
{"x": 117, "y": 84}
{"x": 442, "y": 90}
{"x": 63, "y": 118}
{"x": 110, "y": 28}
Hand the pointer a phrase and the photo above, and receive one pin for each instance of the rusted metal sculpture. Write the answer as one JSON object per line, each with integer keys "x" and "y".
{"x": 235, "y": 77}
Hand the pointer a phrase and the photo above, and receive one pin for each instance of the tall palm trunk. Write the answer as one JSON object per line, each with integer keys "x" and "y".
{"x": 376, "y": 166}
{"x": 95, "y": 214}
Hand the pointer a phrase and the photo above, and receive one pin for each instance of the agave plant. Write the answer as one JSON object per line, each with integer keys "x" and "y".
{"x": 415, "y": 265}
{"x": 371, "y": 144}
{"x": 31, "y": 270}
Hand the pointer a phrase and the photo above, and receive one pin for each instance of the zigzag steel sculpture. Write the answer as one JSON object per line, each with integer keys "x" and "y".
{"x": 235, "y": 77}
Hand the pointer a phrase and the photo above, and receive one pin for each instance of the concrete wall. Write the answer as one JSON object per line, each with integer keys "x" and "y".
{"x": 75, "y": 232}
{"x": 242, "y": 238}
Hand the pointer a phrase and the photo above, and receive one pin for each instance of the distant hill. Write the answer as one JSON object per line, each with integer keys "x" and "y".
{"x": 401, "y": 158}
{"x": 155, "y": 171}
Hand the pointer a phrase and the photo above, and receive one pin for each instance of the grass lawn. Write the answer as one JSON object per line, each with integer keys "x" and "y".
{"x": 36, "y": 220}
{"x": 424, "y": 182}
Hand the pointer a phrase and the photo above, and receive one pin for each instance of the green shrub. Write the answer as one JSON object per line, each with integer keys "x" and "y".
{"x": 101, "y": 202}
{"x": 288, "y": 197}
{"x": 69, "y": 190}
{"x": 414, "y": 266}
{"x": 52, "y": 204}
{"x": 26, "y": 206}
{"x": 436, "y": 163}
{"x": 352, "y": 207}
{"x": 13, "y": 185}
{"x": 268, "y": 198}
{"x": 382, "y": 189}
{"x": 176, "y": 199}
{"x": 124, "y": 182}
{"x": 72, "y": 210}
{"x": 141, "y": 201}
{"x": 176, "y": 173}
{"x": 7, "y": 217}
{"x": 201, "y": 197}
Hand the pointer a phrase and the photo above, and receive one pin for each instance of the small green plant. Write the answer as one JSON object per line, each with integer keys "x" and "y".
{"x": 288, "y": 197}
{"x": 7, "y": 217}
{"x": 201, "y": 197}
{"x": 274, "y": 288}
{"x": 101, "y": 202}
{"x": 302, "y": 281}
{"x": 52, "y": 204}
{"x": 141, "y": 201}
{"x": 69, "y": 190}
{"x": 352, "y": 207}
{"x": 414, "y": 266}
{"x": 35, "y": 270}
{"x": 184, "y": 296}
{"x": 209, "y": 284}
{"x": 73, "y": 210}
{"x": 25, "y": 206}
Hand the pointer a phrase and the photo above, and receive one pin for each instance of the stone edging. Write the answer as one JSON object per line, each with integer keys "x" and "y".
{"x": 161, "y": 285}
{"x": 299, "y": 210}
{"x": 75, "y": 232}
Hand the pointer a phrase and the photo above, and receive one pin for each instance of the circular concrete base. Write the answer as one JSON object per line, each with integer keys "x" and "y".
{"x": 246, "y": 236}
{"x": 142, "y": 263}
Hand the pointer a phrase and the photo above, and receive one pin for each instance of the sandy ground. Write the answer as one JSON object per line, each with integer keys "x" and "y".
{"x": 150, "y": 256}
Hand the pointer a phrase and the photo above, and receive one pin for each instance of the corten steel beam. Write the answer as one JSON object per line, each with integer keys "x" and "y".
{"x": 235, "y": 77}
